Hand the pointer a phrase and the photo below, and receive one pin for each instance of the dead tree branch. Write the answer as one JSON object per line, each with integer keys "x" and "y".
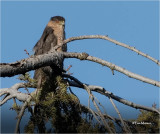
{"x": 19, "y": 117}
{"x": 120, "y": 117}
{"x": 83, "y": 56}
{"x": 113, "y": 41}
{"x": 103, "y": 91}
{"x": 28, "y": 64}
{"x": 14, "y": 93}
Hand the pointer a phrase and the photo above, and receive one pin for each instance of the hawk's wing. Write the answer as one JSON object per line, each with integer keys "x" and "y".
{"x": 44, "y": 44}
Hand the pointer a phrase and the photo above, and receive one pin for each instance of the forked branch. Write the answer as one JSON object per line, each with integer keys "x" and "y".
{"x": 14, "y": 93}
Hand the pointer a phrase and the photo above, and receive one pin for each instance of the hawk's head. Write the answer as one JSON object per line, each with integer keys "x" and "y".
{"x": 58, "y": 20}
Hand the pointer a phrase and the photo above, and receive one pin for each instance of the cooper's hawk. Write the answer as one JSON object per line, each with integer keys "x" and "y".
{"x": 53, "y": 35}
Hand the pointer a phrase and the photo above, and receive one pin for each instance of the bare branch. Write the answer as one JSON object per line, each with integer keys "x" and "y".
{"x": 103, "y": 91}
{"x": 113, "y": 41}
{"x": 112, "y": 67}
{"x": 32, "y": 63}
{"x": 120, "y": 117}
{"x": 21, "y": 114}
{"x": 14, "y": 93}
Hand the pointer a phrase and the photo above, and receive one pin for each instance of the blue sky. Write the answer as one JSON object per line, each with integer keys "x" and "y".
{"x": 132, "y": 22}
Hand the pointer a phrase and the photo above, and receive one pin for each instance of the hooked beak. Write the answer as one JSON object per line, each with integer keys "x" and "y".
{"x": 62, "y": 23}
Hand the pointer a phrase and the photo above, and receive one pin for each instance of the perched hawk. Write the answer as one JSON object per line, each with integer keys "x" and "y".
{"x": 53, "y": 35}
